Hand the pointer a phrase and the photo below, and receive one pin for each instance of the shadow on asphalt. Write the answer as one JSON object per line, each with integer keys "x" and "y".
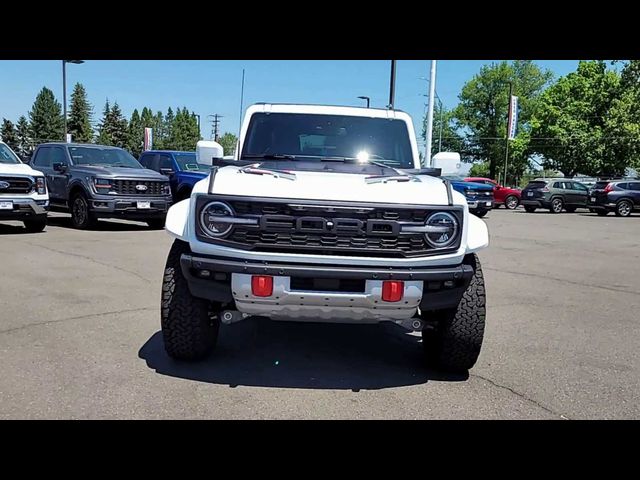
{"x": 6, "y": 229}
{"x": 264, "y": 353}
{"x": 101, "y": 225}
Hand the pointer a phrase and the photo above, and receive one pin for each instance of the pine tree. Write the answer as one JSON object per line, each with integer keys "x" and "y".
{"x": 158, "y": 131}
{"x": 25, "y": 145}
{"x": 185, "y": 133}
{"x": 135, "y": 137}
{"x": 79, "y": 125}
{"x": 46, "y": 119}
{"x": 9, "y": 134}
{"x": 104, "y": 130}
{"x": 169, "y": 118}
{"x": 120, "y": 127}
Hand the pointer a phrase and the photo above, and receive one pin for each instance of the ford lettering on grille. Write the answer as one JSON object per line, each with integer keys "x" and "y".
{"x": 346, "y": 226}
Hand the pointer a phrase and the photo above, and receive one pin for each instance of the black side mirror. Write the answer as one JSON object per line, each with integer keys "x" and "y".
{"x": 60, "y": 167}
{"x": 167, "y": 171}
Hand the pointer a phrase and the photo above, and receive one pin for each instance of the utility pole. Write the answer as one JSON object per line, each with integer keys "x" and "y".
{"x": 241, "y": 102}
{"x": 432, "y": 93}
{"x": 506, "y": 137}
{"x": 392, "y": 85}
{"x": 215, "y": 123}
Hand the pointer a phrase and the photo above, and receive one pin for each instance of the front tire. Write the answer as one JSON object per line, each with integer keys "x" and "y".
{"x": 602, "y": 213}
{"x": 35, "y": 225}
{"x": 511, "y": 202}
{"x": 480, "y": 213}
{"x": 624, "y": 208}
{"x": 81, "y": 217}
{"x": 455, "y": 342}
{"x": 189, "y": 324}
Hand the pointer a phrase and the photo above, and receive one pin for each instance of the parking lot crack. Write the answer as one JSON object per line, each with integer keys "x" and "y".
{"x": 81, "y": 317}
{"x": 562, "y": 280}
{"x": 521, "y": 395}
{"x": 77, "y": 255}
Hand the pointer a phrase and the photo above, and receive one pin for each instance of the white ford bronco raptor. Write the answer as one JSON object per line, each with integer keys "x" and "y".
{"x": 23, "y": 192}
{"x": 324, "y": 215}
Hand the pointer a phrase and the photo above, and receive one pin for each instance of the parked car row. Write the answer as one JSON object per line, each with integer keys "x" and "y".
{"x": 619, "y": 196}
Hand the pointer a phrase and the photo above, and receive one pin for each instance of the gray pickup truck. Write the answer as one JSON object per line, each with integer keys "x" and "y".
{"x": 97, "y": 181}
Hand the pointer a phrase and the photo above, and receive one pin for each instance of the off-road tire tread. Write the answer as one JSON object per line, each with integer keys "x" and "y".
{"x": 456, "y": 342}
{"x": 189, "y": 324}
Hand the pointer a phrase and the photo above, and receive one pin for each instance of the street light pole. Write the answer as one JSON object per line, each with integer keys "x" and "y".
{"x": 367, "y": 99}
{"x": 440, "y": 135}
{"x": 432, "y": 92}
{"x": 195, "y": 114}
{"x": 64, "y": 91}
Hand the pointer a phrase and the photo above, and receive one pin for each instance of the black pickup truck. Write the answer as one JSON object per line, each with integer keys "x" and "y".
{"x": 97, "y": 181}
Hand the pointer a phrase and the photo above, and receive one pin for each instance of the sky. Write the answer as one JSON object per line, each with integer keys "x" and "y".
{"x": 207, "y": 87}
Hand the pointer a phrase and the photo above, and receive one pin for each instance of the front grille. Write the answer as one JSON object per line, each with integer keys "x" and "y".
{"x": 328, "y": 229}
{"x": 19, "y": 185}
{"x": 130, "y": 187}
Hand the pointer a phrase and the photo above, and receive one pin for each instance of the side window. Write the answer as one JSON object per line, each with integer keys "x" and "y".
{"x": 558, "y": 185}
{"x": 151, "y": 162}
{"x": 145, "y": 160}
{"x": 165, "y": 162}
{"x": 43, "y": 157}
{"x": 579, "y": 187}
{"x": 634, "y": 186}
{"x": 58, "y": 156}
{"x": 623, "y": 186}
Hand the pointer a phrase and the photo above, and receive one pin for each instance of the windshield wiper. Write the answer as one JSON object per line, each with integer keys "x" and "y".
{"x": 256, "y": 169}
{"x": 270, "y": 156}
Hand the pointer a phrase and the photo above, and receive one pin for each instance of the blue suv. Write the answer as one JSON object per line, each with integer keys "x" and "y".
{"x": 479, "y": 196}
{"x": 181, "y": 167}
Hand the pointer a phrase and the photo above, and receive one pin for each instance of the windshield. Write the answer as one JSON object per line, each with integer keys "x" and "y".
{"x": 7, "y": 155}
{"x": 310, "y": 136}
{"x": 105, "y": 157}
{"x": 536, "y": 184}
{"x": 455, "y": 178}
{"x": 187, "y": 162}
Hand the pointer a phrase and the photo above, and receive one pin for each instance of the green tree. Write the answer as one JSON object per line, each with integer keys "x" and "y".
{"x": 185, "y": 133}
{"x": 120, "y": 127}
{"x": 572, "y": 124}
{"x": 9, "y": 134}
{"x": 135, "y": 137}
{"x": 228, "y": 142}
{"x": 47, "y": 123}
{"x": 168, "y": 128}
{"x": 25, "y": 145}
{"x": 483, "y": 110}
{"x": 480, "y": 169}
{"x": 79, "y": 124}
{"x": 104, "y": 129}
{"x": 159, "y": 133}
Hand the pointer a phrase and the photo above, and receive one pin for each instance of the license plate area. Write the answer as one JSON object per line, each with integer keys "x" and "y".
{"x": 143, "y": 205}
{"x": 6, "y": 205}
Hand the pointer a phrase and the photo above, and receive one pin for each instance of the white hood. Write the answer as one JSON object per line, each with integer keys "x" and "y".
{"x": 329, "y": 186}
{"x": 18, "y": 168}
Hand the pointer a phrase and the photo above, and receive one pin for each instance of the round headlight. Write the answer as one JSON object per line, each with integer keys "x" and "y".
{"x": 212, "y": 219}
{"x": 445, "y": 232}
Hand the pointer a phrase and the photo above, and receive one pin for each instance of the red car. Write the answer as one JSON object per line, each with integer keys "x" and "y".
{"x": 509, "y": 197}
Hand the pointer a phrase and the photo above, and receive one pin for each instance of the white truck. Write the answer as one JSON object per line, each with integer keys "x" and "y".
{"x": 23, "y": 192}
{"x": 324, "y": 215}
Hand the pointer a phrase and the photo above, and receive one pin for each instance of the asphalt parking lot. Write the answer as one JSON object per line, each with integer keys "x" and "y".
{"x": 79, "y": 335}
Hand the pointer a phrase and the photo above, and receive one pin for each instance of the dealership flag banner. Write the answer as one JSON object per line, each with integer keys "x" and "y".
{"x": 513, "y": 117}
{"x": 148, "y": 138}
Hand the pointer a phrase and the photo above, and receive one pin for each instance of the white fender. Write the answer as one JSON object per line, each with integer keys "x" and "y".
{"x": 177, "y": 217}
{"x": 477, "y": 234}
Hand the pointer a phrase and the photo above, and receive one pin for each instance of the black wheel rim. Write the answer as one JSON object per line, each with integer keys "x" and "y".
{"x": 80, "y": 211}
{"x": 557, "y": 205}
{"x": 624, "y": 209}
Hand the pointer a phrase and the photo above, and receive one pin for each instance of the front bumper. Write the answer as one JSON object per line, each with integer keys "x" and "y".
{"x": 480, "y": 204}
{"x": 23, "y": 208}
{"x": 103, "y": 206}
{"x": 229, "y": 281}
